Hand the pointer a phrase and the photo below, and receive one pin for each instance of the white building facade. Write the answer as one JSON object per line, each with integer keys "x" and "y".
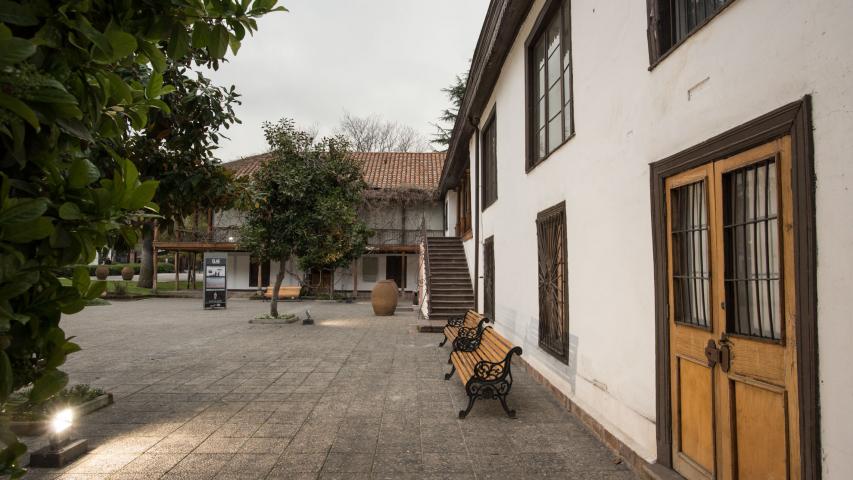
{"x": 669, "y": 169}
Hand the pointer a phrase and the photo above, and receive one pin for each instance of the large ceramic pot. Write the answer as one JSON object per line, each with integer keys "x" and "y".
{"x": 127, "y": 274}
{"x": 384, "y": 297}
{"x": 102, "y": 272}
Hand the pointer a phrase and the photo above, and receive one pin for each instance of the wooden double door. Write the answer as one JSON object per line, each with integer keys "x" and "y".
{"x": 733, "y": 364}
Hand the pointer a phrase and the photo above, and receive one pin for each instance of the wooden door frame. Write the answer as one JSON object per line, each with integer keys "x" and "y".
{"x": 793, "y": 119}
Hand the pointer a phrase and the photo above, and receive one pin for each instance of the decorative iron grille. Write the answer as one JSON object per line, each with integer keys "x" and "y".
{"x": 553, "y": 282}
{"x": 489, "y": 278}
{"x": 751, "y": 226}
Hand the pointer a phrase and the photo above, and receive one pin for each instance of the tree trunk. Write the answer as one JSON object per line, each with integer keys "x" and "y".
{"x": 279, "y": 277}
{"x": 146, "y": 269}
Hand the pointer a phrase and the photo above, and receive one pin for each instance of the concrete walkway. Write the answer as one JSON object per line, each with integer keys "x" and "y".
{"x": 204, "y": 394}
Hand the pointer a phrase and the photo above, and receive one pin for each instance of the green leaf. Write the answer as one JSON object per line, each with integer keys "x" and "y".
{"x": 69, "y": 211}
{"x": 80, "y": 279}
{"x": 262, "y": 5}
{"x": 179, "y": 42}
{"x": 5, "y": 376}
{"x": 155, "y": 56}
{"x": 38, "y": 229}
{"x": 50, "y": 383}
{"x": 16, "y": 14}
{"x": 201, "y": 34}
{"x": 218, "y": 44}
{"x": 131, "y": 174}
{"x": 120, "y": 88}
{"x": 15, "y": 50}
{"x": 96, "y": 289}
{"x": 142, "y": 194}
{"x": 19, "y": 108}
{"x": 122, "y": 43}
{"x": 82, "y": 173}
{"x": 97, "y": 38}
{"x": 50, "y": 94}
{"x": 75, "y": 127}
{"x": 155, "y": 83}
{"x": 24, "y": 211}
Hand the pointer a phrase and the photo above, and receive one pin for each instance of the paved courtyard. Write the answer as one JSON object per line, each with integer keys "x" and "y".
{"x": 204, "y": 394}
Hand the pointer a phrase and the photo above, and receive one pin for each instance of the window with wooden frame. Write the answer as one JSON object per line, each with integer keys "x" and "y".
{"x": 463, "y": 205}
{"x": 671, "y": 22}
{"x": 553, "y": 282}
{"x": 550, "y": 112}
{"x": 489, "y": 277}
{"x": 489, "y": 163}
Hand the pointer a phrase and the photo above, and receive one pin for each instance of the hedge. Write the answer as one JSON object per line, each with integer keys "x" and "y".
{"x": 115, "y": 269}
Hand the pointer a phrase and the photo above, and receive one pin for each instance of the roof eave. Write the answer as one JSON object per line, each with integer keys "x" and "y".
{"x": 500, "y": 28}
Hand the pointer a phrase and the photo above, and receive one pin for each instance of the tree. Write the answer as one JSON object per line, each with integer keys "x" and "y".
{"x": 455, "y": 92}
{"x": 69, "y": 97}
{"x": 373, "y": 134}
{"x": 177, "y": 148}
{"x": 304, "y": 203}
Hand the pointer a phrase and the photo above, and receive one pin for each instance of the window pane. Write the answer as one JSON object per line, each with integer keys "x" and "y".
{"x": 567, "y": 112}
{"x": 540, "y": 84}
{"x": 554, "y": 35}
{"x": 540, "y": 146}
{"x": 751, "y": 247}
{"x": 555, "y": 129}
{"x": 540, "y": 114}
{"x": 567, "y": 86}
{"x": 554, "y": 69}
{"x": 554, "y": 102}
{"x": 691, "y": 276}
{"x": 567, "y": 29}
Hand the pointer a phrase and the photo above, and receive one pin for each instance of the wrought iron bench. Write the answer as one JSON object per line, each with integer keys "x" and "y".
{"x": 471, "y": 320}
{"x": 483, "y": 363}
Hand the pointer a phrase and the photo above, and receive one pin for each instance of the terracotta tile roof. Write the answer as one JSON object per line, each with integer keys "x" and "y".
{"x": 418, "y": 170}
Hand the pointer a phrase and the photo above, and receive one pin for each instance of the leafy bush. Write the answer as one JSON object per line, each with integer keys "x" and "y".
{"x": 115, "y": 269}
{"x": 20, "y": 408}
{"x": 76, "y": 79}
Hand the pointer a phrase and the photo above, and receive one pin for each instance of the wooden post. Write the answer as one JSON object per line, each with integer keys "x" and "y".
{"x": 154, "y": 256}
{"x": 177, "y": 270}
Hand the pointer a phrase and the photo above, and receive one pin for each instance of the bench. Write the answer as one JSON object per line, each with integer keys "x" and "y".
{"x": 472, "y": 320}
{"x": 484, "y": 366}
{"x": 291, "y": 292}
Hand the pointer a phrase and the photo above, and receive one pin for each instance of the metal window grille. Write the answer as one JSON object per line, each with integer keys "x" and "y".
{"x": 691, "y": 276}
{"x": 553, "y": 282}
{"x": 752, "y": 252}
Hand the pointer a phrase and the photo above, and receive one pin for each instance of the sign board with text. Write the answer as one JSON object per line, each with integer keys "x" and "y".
{"x": 215, "y": 286}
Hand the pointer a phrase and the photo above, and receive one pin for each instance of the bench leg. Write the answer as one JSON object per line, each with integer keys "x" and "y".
{"x": 510, "y": 413}
{"x": 464, "y": 413}
{"x": 443, "y": 341}
{"x": 448, "y": 375}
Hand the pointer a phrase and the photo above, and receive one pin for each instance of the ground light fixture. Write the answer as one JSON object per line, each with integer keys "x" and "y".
{"x": 62, "y": 448}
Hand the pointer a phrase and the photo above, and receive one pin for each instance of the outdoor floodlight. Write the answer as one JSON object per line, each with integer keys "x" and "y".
{"x": 62, "y": 448}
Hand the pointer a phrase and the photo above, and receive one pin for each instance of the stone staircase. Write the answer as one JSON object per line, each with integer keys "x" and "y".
{"x": 450, "y": 292}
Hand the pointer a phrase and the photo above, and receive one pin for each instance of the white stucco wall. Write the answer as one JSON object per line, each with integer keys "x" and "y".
{"x": 450, "y": 204}
{"x": 754, "y": 57}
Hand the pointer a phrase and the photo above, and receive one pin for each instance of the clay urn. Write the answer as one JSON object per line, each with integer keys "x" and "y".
{"x": 102, "y": 272}
{"x": 127, "y": 273}
{"x": 384, "y": 297}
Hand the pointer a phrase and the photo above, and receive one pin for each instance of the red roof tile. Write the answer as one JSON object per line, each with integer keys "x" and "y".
{"x": 391, "y": 170}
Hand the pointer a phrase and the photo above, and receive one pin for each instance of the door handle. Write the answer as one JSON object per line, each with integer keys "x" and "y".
{"x": 721, "y": 355}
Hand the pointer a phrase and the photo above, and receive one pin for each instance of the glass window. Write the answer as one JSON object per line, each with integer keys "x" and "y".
{"x": 552, "y": 122}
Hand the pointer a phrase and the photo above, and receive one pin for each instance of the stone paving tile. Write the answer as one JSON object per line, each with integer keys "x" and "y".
{"x": 203, "y": 394}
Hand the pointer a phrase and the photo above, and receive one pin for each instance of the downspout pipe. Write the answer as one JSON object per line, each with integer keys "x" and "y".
{"x": 475, "y": 192}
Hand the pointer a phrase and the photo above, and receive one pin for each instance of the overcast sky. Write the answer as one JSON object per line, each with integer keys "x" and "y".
{"x": 324, "y": 57}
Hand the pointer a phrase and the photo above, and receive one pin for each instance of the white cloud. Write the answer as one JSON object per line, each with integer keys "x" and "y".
{"x": 389, "y": 57}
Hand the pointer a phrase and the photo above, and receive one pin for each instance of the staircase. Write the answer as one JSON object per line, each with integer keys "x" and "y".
{"x": 449, "y": 280}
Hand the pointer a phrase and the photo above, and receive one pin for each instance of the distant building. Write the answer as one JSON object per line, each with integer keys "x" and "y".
{"x": 402, "y": 206}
